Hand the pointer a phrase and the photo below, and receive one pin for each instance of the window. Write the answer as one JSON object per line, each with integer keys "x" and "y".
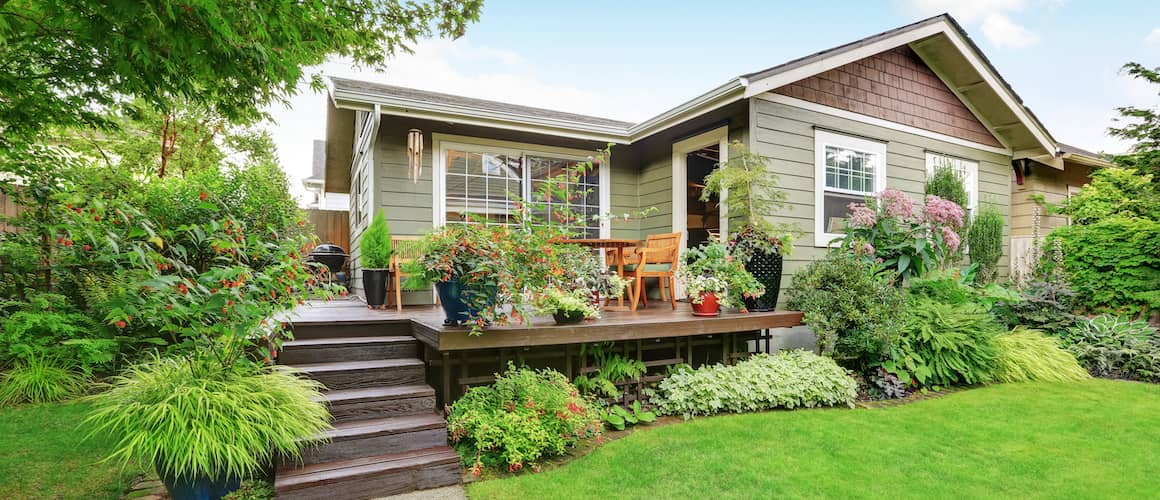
{"x": 482, "y": 181}
{"x": 847, "y": 170}
{"x": 968, "y": 171}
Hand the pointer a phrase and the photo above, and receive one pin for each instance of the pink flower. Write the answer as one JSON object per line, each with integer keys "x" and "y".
{"x": 862, "y": 215}
{"x": 940, "y": 211}
{"x": 868, "y": 249}
{"x": 897, "y": 204}
{"x": 951, "y": 239}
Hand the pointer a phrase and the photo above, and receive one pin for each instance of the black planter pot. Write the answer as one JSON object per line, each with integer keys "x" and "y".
{"x": 375, "y": 285}
{"x": 568, "y": 317}
{"x": 766, "y": 267}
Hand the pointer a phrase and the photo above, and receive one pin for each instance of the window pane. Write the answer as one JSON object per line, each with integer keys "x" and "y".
{"x": 576, "y": 195}
{"x": 481, "y": 186}
{"x": 835, "y": 211}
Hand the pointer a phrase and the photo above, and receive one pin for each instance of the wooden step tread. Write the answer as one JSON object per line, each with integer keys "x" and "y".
{"x": 360, "y": 429}
{"x": 377, "y": 393}
{"x": 358, "y": 365}
{"x": 323, "y": 342}
{"x": 289, "y": 479}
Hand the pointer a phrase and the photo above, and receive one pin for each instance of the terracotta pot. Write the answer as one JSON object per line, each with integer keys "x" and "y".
{"x": 708, "y": 305}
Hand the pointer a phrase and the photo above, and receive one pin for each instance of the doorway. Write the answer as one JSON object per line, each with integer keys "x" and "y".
{"x": 703, "y": 218}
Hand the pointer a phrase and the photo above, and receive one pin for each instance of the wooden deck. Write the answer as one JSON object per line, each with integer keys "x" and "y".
{"x": 616, "y": 324}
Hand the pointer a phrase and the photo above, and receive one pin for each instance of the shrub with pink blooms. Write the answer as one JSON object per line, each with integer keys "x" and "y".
{"x": 896, "y": 233}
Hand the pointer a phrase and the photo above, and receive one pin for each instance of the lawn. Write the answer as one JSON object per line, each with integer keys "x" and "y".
{"x": 43, "y": 455}
{"x": 1096, "y": 439}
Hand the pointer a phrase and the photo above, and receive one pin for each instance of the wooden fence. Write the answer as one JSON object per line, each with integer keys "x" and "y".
{"x": 331, "y": 226}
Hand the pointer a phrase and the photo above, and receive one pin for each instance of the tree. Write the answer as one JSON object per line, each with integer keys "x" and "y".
{"x": 66, "y": 62}
{"x": 1144, "y": 128}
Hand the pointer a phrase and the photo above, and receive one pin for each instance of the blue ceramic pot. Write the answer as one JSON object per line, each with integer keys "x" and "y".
{"x": 200, "y": 487}
{"x": 451, "y": 298}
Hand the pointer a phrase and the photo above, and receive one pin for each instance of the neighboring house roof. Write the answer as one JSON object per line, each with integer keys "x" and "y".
{"x": 940, "y": 41}
{"x": 1082, "y": 156}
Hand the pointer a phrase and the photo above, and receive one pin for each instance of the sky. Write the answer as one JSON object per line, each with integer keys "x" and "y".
{"x": 633, "y": 59}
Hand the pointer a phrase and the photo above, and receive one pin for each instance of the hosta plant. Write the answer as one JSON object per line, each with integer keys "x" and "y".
{"x": 619, "y": 417}
{"x": 194, "y": 418}
{"x": 1110, "y": 346}
{"x": 1030, "y": 355}
{"x": 523, "y": 417}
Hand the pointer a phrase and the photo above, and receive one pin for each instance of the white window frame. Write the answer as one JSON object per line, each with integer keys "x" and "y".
{"x": 972, "y": 174}
{"x": 823, "y": 138}
{"x": 446, "y": 142}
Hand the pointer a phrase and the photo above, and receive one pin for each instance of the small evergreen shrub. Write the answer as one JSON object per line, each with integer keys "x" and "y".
{"x": 945, "y": 344}
{"x": 375, "y": 244}
{"x": 1113, "y": 347}
{"x": 789, "y": 380}
{"x": 985, "y": 241}
{"x": 524, "y": 416}
{"x": 945, "y": 183}
{"x": 1030, "y": 355}
{"x": 39, "y": 380}
{"x": 853, "y": 310}
{"x": 1113, "y": 264}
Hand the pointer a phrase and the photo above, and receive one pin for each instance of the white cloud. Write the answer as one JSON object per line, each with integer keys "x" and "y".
{"x": 442, "y": 66}
{"x": 993, "y": 17}
{"x": 1002, "y": 32}
{"x": 1153, "y": 37}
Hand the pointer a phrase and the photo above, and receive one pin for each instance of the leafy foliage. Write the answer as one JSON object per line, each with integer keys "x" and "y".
{"x": 1113, "y": 264}
{"x": 1114, "y": 192}
{"x": 619, "y": 417}
{"x": 753, "y": 197}
{"x": 895, "y": 234}
{"x": 40, "y": 380}
{"x": 1109, "y": 346}
{"x": 613, "y": 368}
{"x": 233, "y": 421}
{"x": 728, "y": 275}
{"x": 945, "y": 344}
{"x": 945, "y": 183}
{"x": 1043, "y": 305}
{"x": 557, "y": 301}
{"x": 524, "y": 416}
{"x": 985, "y": 240}
{"x": 252, "y": 490}
{"x": 788, "y": 379}
{"x": 888, "y": 383}
{"x": 375, "y": 244}
{"x": 43, "y": 326}
{"x": 1030, "y": 355}
{"x": 1144, "y": 127}
{"x": 854, "y": 310}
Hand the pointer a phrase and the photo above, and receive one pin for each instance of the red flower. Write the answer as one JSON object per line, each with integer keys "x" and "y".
{"x": 202, "y": 196}
{"x": 68, "y": 243}
{"x": 120, "y": 324}
{"x": 86, "y": 248}
{"x": 168, "y": 307}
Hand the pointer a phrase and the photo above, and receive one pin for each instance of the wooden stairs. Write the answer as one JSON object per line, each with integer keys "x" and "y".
{"x": 388, "y": 437}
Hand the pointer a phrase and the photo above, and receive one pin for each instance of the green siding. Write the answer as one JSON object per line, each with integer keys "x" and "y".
{"x": 786, "y": 134}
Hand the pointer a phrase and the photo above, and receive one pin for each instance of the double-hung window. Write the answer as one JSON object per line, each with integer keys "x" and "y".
{"x": 967, "y": 170}
{"x": 847, "y": 170}
{"x": 481, "y": 183}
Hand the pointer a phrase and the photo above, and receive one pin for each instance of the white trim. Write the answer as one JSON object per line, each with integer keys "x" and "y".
{"x": 878, "y": 122}
{"x": 727, "y": 93}
{"x": 823, "y": 138}
{"x": 680, "y": 188}
{"x": 972, "y": 174}
{"x": 441, "y": 143}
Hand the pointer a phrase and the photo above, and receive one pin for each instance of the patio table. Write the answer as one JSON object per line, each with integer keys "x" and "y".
{"x": 614, "y": 245}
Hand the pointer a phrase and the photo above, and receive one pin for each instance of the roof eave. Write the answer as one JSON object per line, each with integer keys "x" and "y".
{"x": 1086, "y": 160}
{"x": 727, "y": 93}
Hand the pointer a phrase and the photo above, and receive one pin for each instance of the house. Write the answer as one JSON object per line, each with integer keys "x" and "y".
{"x": 840, "y": 124}
{"x": 317, "y": 197}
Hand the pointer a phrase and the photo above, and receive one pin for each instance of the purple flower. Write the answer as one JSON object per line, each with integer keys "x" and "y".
{"x": 862, "y": 215}
{"x": 897, "y": 204}
{"x": 940, "y": 211}
{"x": 951, "y": 239}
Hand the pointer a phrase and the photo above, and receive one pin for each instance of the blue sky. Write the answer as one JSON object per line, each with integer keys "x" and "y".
{"x": 633, "y": 59}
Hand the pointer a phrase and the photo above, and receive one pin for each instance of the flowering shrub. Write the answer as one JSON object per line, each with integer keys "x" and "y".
{"x": 525, "y": 416}
{"x": 892, "y": 231}
{"x": 788, "y": 379}
{"x": 712, "y": 259}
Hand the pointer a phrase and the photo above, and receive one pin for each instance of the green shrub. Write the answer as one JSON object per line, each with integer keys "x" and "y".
{"x": 39, "y": 380}
{"x": 1113, "y": 264}
{"x": 525, "y": 416}
{"x": 1114, "y": 193}
{"x": 853, "y": 309}
{"x": 375, "y": 244}
{"x": 1044, "y": 306}
{"x": 985, "y": 241}
{"x": 941, "y": 286}
{"x": 945, "y": 344}
{"x": 47, "y": 325}
{"x": 1113, "y": 347}
{"x": 192, "y": 417}
{"x": 790, "y": 380}
{"x": 945, "y": 183}
{"x": 1030, "y": 355}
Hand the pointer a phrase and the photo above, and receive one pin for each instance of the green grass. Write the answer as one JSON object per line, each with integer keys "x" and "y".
{"x": 43, "y": 455}
{"x": 1092, "y": 439}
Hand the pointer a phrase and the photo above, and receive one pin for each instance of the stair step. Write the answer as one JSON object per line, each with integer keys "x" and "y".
{"x": 354, "y": 404}
{"x": 365, "y": 374}
{"x": 307, "y": 331}
{"x": 371, "y": 477}
{"x": 365, "y": 438}
{"x": 323, "y": 350}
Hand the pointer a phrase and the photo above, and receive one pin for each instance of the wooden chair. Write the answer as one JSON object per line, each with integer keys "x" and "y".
{"x": 405, "y": 249}
{"x": 657, "y": 259}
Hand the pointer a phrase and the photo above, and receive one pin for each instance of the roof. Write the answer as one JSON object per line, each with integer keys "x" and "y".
{"x": 939, "y": 39}
{"x": 1068, "y": 148}
{"x": 1081, "y": 156}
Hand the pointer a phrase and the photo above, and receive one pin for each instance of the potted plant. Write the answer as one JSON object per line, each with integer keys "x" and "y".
{"x": 469, "y": 266}
{"x": 375, "y": 255}
{"x": 205, "y": 426}
{"x": 751, "y": 195}
{"x": 712, "y": 274}
{"x": 567, "y": 307}
{"x": 580, "y": 268}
